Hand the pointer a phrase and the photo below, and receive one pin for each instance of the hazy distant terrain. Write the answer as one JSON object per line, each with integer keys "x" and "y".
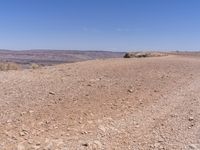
{"x": 50, "y": 57}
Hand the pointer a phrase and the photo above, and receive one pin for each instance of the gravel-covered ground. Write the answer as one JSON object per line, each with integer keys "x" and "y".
{"x": 136, "y": 104}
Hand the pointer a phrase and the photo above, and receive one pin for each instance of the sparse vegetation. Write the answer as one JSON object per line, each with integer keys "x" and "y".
{"x": 136, "y": 54}
{"x": 35, "y": 66}
{"x": 144, "y": 54}
{"x": 5, "y": 66}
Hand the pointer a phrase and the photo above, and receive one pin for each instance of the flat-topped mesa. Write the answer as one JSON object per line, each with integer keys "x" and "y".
{"x": 144, "y": 54}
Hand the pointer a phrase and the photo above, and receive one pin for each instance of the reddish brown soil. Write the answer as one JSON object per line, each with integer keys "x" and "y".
{"x": 136, "y": 104}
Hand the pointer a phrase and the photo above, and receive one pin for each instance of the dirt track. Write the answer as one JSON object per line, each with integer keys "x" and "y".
{"x": 147, "y": 103}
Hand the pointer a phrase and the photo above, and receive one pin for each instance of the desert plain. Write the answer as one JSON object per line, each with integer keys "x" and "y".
{"x": 115, "y": 104}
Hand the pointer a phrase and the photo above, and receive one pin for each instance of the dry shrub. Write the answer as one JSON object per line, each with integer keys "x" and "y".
{"x": 5, "y": 66}
{"x": 35, "y": 66}
{"x": 136, "y": 54}
{"x": 144, "y": 54}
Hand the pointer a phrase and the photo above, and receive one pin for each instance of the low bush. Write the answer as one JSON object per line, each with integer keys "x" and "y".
{"x": 34, "y": 66}
{"x": 5, "y": 66}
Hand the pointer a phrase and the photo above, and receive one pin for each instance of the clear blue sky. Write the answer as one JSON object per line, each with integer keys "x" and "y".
{"x": 100, "y": 24}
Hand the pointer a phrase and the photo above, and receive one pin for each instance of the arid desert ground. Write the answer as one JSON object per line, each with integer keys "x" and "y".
{"x": 114, "y": 104}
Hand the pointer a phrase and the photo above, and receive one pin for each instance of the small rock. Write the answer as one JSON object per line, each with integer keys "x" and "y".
{"x": 47, "y": 122}
{"x": 140, "y": 102}
{"x": 52, "y": 93}
{"x": 191, "y": 119}
{"x": 161, "y": 147}
{"x": 31, "y": 111}
{"x": 9, "y": 121}
{"x": 137, "y": 126}
{"x": 173, "y": 115}
{"x": 193, "y": 147}
{"x": 160, "y": 140}
{"x": 30, "y": 141}
{"x": 84, "y": 132}
{"x": 156, "y": 91}
{"x": 85, "y": 144}
{"x": 151, "y": 146}
{"x": 191, "y": 125}
{"x": 130, "y": 90}
{"x": 22, "y": 133}
{"x": 22, "y": 113}
{"x": 38, "y": 144}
